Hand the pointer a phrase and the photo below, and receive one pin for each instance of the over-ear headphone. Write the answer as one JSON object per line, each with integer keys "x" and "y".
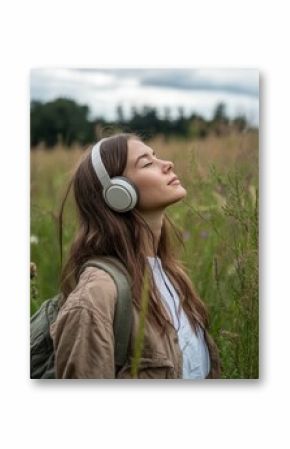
{"x": 119, "y": 193}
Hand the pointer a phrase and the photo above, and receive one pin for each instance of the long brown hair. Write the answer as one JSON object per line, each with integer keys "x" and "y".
{"x": 104, "y": 232}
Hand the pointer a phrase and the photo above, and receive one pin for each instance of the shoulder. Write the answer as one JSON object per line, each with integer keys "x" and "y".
{"x": 96, "y": 291}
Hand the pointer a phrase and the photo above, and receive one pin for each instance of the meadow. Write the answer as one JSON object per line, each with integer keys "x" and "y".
{"x": 219, "y": 224}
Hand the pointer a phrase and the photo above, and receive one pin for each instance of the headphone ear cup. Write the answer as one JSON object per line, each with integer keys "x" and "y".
{"x": 129, "y": 182}
{"x": 121, "y": 195}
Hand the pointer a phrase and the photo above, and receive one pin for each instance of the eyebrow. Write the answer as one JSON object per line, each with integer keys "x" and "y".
{"x": 143, "y": 155}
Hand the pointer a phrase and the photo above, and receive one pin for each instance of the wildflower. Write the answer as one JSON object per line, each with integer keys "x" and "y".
{"x": 231, "y": 269}
{"x": 204, "y": 234}
{"x": 34, "y": 239}
{"x": 186, "y": 235}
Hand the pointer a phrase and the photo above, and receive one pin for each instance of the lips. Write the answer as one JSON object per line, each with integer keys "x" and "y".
{"x": 173, "y": 179}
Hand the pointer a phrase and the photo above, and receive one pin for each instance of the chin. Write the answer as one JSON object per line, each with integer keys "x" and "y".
{"x": 182, "y": 192}
{"x": 179, "y": 196}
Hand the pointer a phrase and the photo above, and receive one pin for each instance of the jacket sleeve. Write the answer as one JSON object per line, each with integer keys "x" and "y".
{"x": 83, "y": 334}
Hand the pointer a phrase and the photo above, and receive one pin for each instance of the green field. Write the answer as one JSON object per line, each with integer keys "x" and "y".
{"x": 218, "y": 220}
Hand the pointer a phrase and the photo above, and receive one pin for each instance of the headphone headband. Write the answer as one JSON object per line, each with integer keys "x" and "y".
{"x": 98, "y": 165}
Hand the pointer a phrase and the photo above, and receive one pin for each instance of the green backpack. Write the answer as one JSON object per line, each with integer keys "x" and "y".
{"x": 41, "y": 345}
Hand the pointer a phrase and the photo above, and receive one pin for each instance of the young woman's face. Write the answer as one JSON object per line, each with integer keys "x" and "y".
{"x": 152, "y": 176}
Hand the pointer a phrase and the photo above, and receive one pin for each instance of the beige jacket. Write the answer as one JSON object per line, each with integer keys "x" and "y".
{"x": 83, "y": 337}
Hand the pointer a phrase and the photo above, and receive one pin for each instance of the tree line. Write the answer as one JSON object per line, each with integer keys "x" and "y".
{"x": 63, "y": 121}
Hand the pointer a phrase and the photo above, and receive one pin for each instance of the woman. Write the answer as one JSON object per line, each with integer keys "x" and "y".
{"x": 176, "y": 341}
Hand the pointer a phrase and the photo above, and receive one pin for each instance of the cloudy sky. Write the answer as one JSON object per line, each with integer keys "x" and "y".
{"x": 195, "y": 90}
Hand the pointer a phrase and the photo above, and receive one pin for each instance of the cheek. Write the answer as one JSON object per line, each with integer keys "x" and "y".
{"x": 149, "y": 183}
{"x": 153, "y": 191}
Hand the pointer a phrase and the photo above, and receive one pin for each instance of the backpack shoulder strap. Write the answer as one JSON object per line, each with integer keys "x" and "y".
{"x": 123, "y": 314}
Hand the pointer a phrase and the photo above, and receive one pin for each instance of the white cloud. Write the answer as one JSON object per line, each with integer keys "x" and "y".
{"x": 102, "y": 90}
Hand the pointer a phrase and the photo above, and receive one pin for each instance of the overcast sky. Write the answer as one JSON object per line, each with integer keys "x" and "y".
{"x": 196, "y": 90}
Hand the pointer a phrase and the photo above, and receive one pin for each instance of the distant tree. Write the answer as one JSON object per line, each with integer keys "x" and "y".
{"x": 145, "y": 122}
{"x": 65, "y": 121}
{"x": 134, "y": 111}
{"x": 220, "y": 120}
{"x": 220, "y": 112}
{"x": 61, "y": 120}
{"x": 180, "y": 112}
{"x": 198, "y": 127}
{"x": 167, "y": 113}
{"x": 120, "y": 114}
{"x": 240, "y": 123}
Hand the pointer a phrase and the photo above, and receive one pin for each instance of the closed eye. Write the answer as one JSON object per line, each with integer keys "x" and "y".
{"x": 150, "y": 163}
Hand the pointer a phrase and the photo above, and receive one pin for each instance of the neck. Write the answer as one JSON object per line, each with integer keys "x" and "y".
{"x": 154, "y": 221}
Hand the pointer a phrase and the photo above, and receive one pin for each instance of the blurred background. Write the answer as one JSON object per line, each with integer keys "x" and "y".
{"x": 207, "y": 123}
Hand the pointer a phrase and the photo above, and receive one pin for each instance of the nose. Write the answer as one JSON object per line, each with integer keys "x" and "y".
{"x": 167, "y": 165}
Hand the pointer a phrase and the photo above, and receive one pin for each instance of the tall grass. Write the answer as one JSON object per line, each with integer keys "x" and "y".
{"x": 219, "y": 222}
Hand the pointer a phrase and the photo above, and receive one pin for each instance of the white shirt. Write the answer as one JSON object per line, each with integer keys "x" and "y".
{"x": 196, "y": 361}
